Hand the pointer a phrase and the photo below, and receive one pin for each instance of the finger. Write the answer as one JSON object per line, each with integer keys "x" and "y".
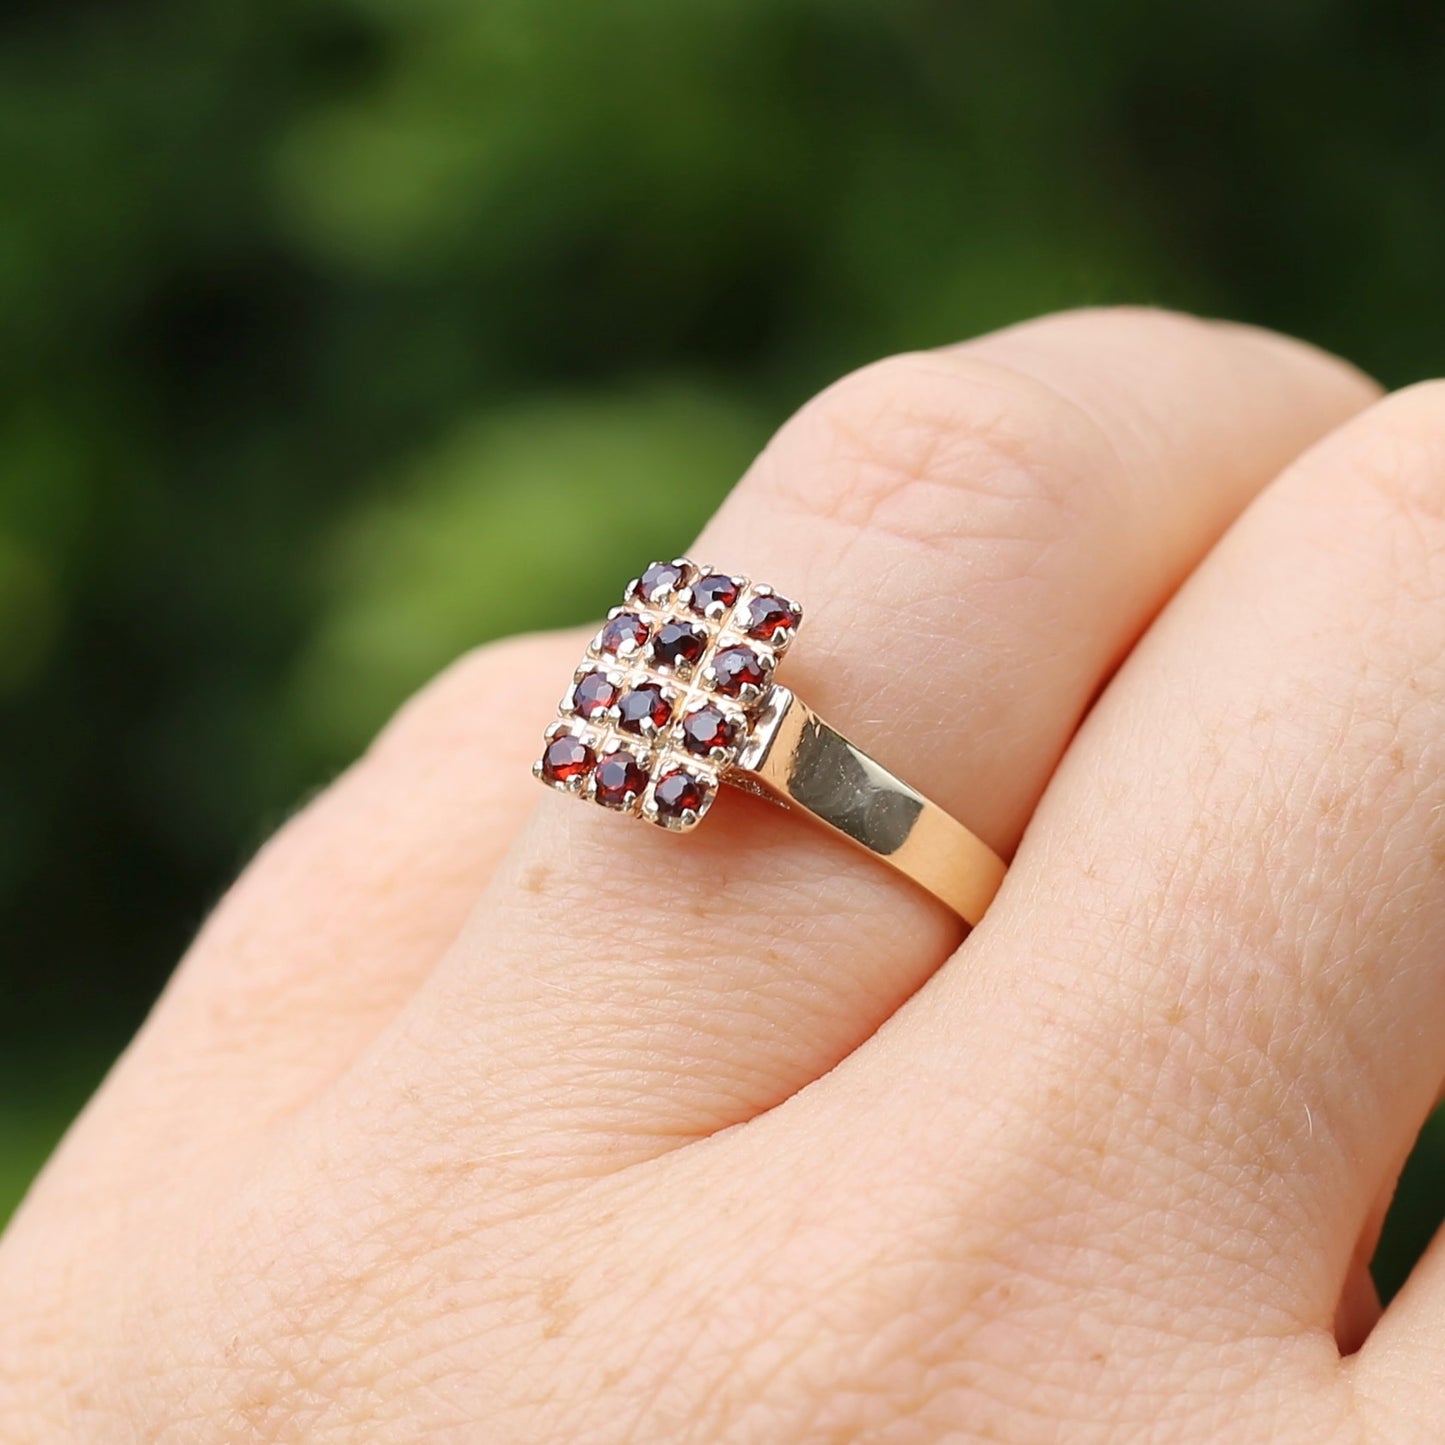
{"x": 336, "y": 922}
{"x": 978, "y": 536}
{"x": 1399, "y": 1374}
{"x": 1216, "y": 978}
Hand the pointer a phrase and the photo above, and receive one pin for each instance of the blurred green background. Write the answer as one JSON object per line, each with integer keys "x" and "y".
{"x": 313, "y": 313}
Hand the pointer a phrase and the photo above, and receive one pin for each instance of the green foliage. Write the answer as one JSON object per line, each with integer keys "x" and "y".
{"x": 316, "y": 315}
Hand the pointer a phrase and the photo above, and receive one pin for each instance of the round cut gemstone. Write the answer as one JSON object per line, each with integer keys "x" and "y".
{"x": 566, "y": 758}
{"x": 715, "y": 591}
{"x": 660, "y": 579}
{"x": 678, "y": 644}
{"x": 736, "y": 668}
{"x": 619, "y": 779}
{"x": 766, "y": 616}
{"x": 645, "y": 709}
{"x": 706, "y": 728}
{"x": 678, "y": 792}
{"x": 621, "y": 634}
{"x": 594, "y": 694}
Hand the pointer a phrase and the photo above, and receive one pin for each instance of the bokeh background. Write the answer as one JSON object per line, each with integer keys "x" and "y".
{"x": 325, "y": 323}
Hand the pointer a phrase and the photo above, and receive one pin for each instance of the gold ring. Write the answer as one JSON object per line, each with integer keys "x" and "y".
{"x": 676, "y": 696}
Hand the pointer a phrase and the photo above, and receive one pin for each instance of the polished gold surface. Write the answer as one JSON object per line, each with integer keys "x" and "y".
{"x": 799, "y": 759}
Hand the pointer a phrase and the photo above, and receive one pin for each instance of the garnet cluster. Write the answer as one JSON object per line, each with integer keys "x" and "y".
{"x": 664, "y": 700}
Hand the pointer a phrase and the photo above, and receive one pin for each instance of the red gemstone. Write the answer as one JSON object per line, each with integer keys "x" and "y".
{"x": 566, "y": 757}
{"x": 706, "y": 728}
{"x": 620, "y": 778}
{"x": 594, "y": 694}
{"x": 766, "y": 616}
{"x": 644, "y": 709}
{"x": 623, "y": 633}
{"x": 678, "y": 644}
{"x": 714, "y": 590}
{"x": 658, "y": 581}
{"x": 736, "y": 668}
{"x": 678, "y": 792}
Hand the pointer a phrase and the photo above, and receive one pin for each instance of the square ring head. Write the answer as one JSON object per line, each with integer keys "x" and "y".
{"x": 668, "y": 693}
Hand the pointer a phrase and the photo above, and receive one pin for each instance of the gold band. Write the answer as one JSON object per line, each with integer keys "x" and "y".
{"x": 675, "y": 696}
{"x": 798, "y": 759}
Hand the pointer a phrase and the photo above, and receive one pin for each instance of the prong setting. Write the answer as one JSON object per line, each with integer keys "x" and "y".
{"x": 667, "y": 697}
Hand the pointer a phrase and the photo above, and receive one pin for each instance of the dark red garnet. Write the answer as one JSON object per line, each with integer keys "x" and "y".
{"x": 566, "y": 757}
{"x": 678, "y": 644}
{"x": 678, "y": 792}
{"x": 706, "y": 728}
{"x": 714, "y": 590}
{"x": 623, "y": 633}
{"x": 735, "y": 668}
{"x": 619, "y": 779}
{"x": 660, "y": 579}
{"x": 767, "y": 616}
{"x": 644, "y": 709}
{"x": 594, "y": 694}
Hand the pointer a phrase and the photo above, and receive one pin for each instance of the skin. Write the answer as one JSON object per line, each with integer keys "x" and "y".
{"x": 474, "y": 1114}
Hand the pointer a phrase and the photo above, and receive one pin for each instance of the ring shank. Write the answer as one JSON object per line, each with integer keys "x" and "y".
{"x": 801, "y": 761}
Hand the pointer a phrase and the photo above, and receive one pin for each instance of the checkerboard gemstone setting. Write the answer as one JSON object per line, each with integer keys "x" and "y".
{"x": 667, "y": 695}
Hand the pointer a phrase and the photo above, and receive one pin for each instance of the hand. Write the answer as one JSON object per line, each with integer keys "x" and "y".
{"x": 478, "y": 1115}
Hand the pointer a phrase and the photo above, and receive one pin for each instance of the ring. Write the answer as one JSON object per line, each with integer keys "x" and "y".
{"x": 675, "y": 697}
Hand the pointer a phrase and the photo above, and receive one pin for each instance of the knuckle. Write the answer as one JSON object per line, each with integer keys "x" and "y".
{"x": 1369, "y": 506}
{"x": 904, "y": 444}
{"x": 1092, "y": 326}
{"x": 1398, "y": 454}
